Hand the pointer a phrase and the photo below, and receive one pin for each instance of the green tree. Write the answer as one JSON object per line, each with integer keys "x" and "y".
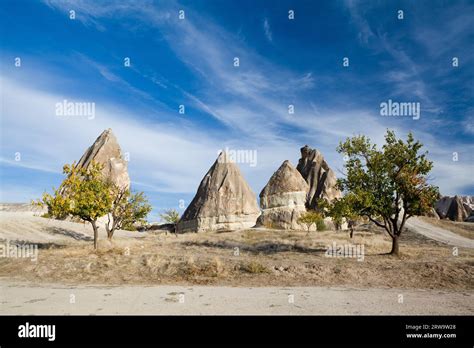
{"x": 86, "y": 194}
{"x": 83, "y": 194}
{"x": 171, "y": 216}
{"x": 127, "y": 210}
{"x": 342, "y": 210}
{"x": 387, "y": 185}
{"x": 312, "y": 217}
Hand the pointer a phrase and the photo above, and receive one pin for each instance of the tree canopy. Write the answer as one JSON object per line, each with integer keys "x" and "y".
{"x": 387, "y": 185}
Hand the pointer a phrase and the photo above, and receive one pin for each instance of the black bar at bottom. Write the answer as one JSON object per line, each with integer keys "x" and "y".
{"x": 225, "y": 330}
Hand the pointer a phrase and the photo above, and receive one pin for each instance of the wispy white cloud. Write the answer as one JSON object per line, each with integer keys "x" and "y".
{"x": 365, "y": 31}
{"x": 58, "y": 140}
{"x": 206, "y": 48}
{"x": 163, "y": 157}
{"x": 250, "y": 100}
{"x": 267, "y": 30}
{"x": 405, "y": 75}
{"x": 469, "y": 122}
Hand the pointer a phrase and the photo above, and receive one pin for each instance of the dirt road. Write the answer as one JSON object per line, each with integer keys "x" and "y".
{"x": 25, "y": 226}
{"x": 438, "y": 233}
{"x": 60, "y": 299}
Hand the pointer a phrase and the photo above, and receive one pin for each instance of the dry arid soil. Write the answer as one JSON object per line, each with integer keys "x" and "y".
{"x": 255, "y": 257}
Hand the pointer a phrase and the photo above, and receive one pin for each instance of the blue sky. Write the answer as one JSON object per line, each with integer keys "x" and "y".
{"x": 190, "y": 62}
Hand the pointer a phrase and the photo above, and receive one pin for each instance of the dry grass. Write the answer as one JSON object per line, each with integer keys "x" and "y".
{"x": 256, "y": 257}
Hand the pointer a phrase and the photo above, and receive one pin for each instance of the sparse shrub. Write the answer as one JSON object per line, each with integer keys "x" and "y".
{"x": 170, "y": 216}
{"x": 320, "y": 225}
{"x": 268, "y": 224}
{"x": 128, "y": 210}
{"x": 254, "y": 267}
{"x": 312, "y": 217}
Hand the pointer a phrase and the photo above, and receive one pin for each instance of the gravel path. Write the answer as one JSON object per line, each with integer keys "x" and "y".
{"x": 438, "y": 233}
{"x": 169, "y": 300}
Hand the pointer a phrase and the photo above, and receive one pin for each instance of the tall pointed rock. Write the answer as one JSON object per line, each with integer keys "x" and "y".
{"x": 283, "y": 199}
{"x": 320, "y": 178}
{"x": 224, "y": 201}
{"x": 106, "y": 151}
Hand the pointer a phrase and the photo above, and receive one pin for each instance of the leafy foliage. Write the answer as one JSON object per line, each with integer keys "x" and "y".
{"x": 387, "y": 186}
{"x": 128, "y": 210}
{"x": 340, "y": 210}
{"x": 83, "y": 194}
{"x": 170, "y": 216}
{"x": 312, "y": 217}
{"x": 86, "y": 194}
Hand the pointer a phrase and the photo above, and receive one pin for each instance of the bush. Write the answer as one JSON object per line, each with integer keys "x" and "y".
{"x": 170, "y": 216}
{"x": 320, "y": 225}
{"x": 254, "y": 267}
{"x": 312, "y": 217}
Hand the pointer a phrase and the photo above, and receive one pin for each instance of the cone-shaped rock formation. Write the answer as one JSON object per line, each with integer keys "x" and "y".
{"x": 283, "y": 199}
{"x": 106, "y": 151}
{"x": 224, "y": 201}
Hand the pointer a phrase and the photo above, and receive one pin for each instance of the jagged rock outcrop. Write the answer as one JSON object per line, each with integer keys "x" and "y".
{"x": 457, "y": 208}
{"x": 106, "y": 150}
{"x": 283, "y": 199}
{"x": 442, "y": 206}
{"x": 224, "y": 201}
{"x": 457, "y": 211}
{"x": 320, "y": 178}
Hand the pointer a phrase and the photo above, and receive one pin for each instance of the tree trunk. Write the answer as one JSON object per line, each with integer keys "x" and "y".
{"x": 394, "y": 246}
{"x": 175, "y": 229}
{"x": 110, "y": 233}
{"x": 96, "y": 234}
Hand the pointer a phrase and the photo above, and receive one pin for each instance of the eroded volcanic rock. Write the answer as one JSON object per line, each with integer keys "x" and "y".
{"x": 224, "y": 201}
{"x": 457, "y": 208}
{"x": 319, "y": 176}
{"x": 106, "y": 150}
{"x": 283, "y": 199}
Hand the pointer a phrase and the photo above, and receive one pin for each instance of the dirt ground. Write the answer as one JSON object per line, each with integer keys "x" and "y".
{"x": 252, "y": 258}
{"x": 465, "y": 229}
{"x": 55, "y": 299}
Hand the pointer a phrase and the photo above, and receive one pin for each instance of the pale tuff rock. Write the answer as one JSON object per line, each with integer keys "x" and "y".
{"x": 224, "y": 201}
{"x": 320, "y": 178}
{"x": 457, "y": 208}
{"x": 106, "y": 151}
{"x": 283, "y": 199}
